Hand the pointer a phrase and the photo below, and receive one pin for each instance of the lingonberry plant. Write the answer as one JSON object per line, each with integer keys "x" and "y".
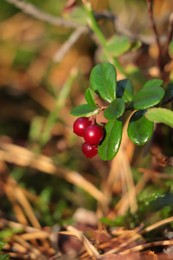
{"x": 145, "y": 106}
{"x": 92, "y": 134}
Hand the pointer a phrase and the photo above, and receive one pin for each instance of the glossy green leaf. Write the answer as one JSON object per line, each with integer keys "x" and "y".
{"x": 103, "y": 81}
{"x": 89, "y": 97}
{"x": 150, "y": 95}
{"x": 125, "y": 90}
{"x": 115, "y": 109}
{"x": 168, "y": 93}
{"x": 140, "y": 129}
{"x": 84, "y": 110}
{"x": 110, "y": 145}
{"x": 160, "y": 115}
{"x": 118, "y": 45}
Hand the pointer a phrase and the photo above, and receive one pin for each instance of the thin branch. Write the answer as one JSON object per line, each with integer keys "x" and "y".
{"x": 40, "y": 15}
{"x": 105, "y": 15}
{"x": 151, "y": 16}
{"x": 36, "y": 13}
{"x": 147, "y": 245}
{"x": 120, "y": 29}
{"x": 163, "y": 160}
{"x": 150, "y": 12}
{"x": 59, "y": 55}
{"x": 170, "y": 34}
{"x": 170, "y": 31}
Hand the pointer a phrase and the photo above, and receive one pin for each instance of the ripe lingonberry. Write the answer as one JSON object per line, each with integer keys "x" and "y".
{"x": 89, "y": 150}
{"x": 93, "y": 134}
{"x": 80, "y": 125}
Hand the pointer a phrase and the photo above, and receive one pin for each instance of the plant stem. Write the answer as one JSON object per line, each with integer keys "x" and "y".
{"x": 170, "y": 34}
{"x": 151, "y": 16}
{"x": 101, "y": 38}
{"x": 93, "y": 24}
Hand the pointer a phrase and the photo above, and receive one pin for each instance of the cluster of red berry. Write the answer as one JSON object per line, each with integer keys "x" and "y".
{"x": 92, "y": 134}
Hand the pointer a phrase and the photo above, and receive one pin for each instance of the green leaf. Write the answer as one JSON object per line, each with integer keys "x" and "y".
{"x": 152, "y": 83}
{"x": 160, "y": 115}
{"x": 168, "y": 93}
{"x": 125, "y": 90}
{"x": 118, "y": 45}
{"x": 140, "y": 129}
{"x": 115, "y": 109}
{"x": 84, "y": 110}
{"x": 110, "y": 145}
{"x": 151, "y": 94}
{"x": 103, "y": 81}
{"x": 89, "y": 97}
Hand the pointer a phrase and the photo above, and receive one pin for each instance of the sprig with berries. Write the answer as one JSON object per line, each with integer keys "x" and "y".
{"x": 117, "y": 98}
{"x": 92, "y": 134}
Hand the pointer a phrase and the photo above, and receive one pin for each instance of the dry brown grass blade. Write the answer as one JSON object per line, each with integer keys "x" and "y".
{"x": 126, "y": 243}
{"x": 16, "y": 195}
{"x": 147, "y": 245}
{"x": 22, "y": 242}
{"x": 128, "y": 149}
{"x": 17, "y": 247}
{"x": 131, "y": 191}
{"x": 92, "y": 251}
{"x": 33, "y": 254}
{"x": 155, "y": 174}
{"x": 11, "y": 224}
{"x": 157, "y": 224}
{"x": 120, "y": 168}
{"x": 35, "y": 235}
{"x": 123, "y": 203}
{"x": 136, "y": 235}
{"x": 27, "y": 207}
{"x": 29, "y": 195}
{"x": 20, "y": 249}
{"x": 32, "y": 243}
{"x": 22, "y": 157}
{"x": 18, "y": 211}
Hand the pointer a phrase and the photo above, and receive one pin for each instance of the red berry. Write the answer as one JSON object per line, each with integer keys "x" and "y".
{"x": 89, "y": 150}
{"x": 80, "y": 125}
{"x": 93, "y": 134}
